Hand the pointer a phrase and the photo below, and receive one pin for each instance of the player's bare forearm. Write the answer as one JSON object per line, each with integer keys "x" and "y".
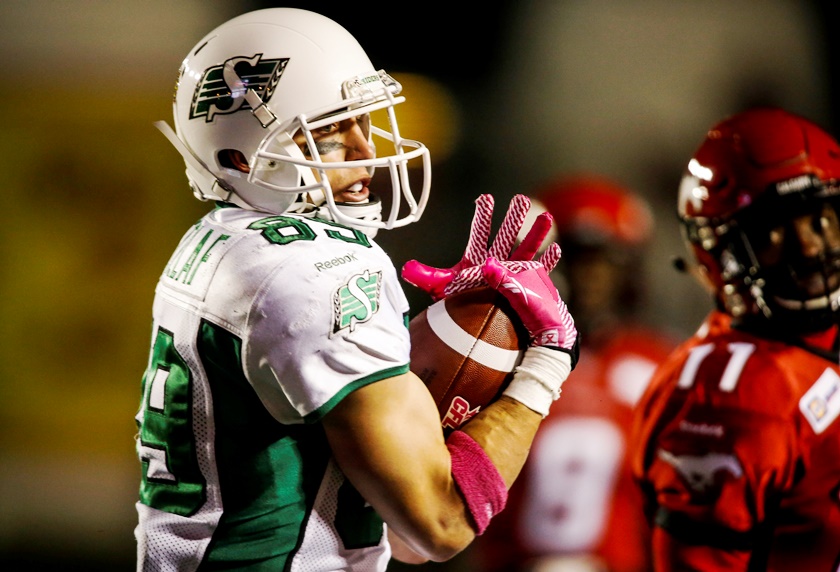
{"x": 505, "y": 430}
{"x": 398, "y": 460}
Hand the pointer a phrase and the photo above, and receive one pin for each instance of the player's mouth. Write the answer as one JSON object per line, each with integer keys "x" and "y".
{"x": 817, "y": 284}
{"x": 355, "y": 193}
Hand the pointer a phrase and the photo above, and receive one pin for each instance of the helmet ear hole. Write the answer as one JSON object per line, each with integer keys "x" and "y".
{"x": 233, "y": 159}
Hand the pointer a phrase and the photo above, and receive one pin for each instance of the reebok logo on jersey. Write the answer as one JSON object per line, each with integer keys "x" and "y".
{"x": 821, "y": 404}
{"x": 222, "y": 88}
{"x": 710, "y": 430}
{"x": 699, "y": 470}
{"x": 357, "y": 301}
{"x": 335, "y": 262}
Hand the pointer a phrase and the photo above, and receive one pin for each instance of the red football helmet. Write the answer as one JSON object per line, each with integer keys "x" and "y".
{"x": 753, "y": 172}
{"x": 591, "y": 208}
{"x": 603, "y": 228}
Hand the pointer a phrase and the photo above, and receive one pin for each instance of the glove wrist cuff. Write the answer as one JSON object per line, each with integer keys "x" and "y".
{"x": 537, "y": 380}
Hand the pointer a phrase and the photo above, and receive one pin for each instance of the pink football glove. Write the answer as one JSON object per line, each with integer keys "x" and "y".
{"x": 536, "y": 301}
{"x": 441, "y": 282}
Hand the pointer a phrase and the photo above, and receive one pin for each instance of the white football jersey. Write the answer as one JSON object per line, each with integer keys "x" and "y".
{"x": 262, "y": 324}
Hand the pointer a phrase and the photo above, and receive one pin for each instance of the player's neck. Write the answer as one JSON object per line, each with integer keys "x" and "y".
{"x": 823, "y": 340}
{"x": 824, "y": 343}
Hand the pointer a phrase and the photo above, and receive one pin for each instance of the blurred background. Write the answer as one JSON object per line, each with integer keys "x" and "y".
{"x": 506, "y": 98}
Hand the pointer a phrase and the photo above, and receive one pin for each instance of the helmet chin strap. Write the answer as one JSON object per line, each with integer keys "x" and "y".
{"x": 317, "y": 198}
{"x": 193, "y": 160}
{"x": 370, "y": 210}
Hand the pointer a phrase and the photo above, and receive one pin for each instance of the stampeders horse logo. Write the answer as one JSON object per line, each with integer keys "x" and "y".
{"x": 222, "y": 88}
{"x": 699, "y": 470}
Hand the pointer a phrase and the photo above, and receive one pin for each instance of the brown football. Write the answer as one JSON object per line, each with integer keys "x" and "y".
{"x": 465, "y": 348}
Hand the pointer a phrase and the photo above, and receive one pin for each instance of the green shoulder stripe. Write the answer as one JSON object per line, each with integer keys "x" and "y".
{"x": 319, "y": 413}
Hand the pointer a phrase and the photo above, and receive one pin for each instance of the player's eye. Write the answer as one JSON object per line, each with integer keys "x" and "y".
{"x": 325, "y": 130}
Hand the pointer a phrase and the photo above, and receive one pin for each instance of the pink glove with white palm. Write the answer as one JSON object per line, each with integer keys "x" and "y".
{"x": 442, "y": 282}
{"x": 536, "y": 301}
{"x": 538, "y": 378}
{"x": 525, "y": 284}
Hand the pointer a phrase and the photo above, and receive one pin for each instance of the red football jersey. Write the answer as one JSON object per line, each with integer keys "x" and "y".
{"x": 736, "y": 446}
{"x": 575, "y": 501}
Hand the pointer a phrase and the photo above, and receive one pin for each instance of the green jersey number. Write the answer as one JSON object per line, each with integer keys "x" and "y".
{"x": 284, "y": 229}
{"x": 172, "y": 480}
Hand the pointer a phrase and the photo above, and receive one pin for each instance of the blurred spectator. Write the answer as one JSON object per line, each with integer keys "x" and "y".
{"x": 575, "y": 507}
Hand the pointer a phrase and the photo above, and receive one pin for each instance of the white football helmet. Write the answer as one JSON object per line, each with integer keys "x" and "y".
{"x": 254, "y": 82}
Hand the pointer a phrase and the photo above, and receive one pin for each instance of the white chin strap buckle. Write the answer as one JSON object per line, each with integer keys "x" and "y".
{"x": 263, "y": 114}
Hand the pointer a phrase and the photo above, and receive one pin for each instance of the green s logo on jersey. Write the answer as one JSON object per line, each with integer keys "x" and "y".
{"x": 357, "y": 301}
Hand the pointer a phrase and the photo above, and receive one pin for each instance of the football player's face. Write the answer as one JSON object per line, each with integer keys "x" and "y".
{"x": 595, "y": 281}
{"x": 806, "y": 245}
{"x": 346, "y": 140}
